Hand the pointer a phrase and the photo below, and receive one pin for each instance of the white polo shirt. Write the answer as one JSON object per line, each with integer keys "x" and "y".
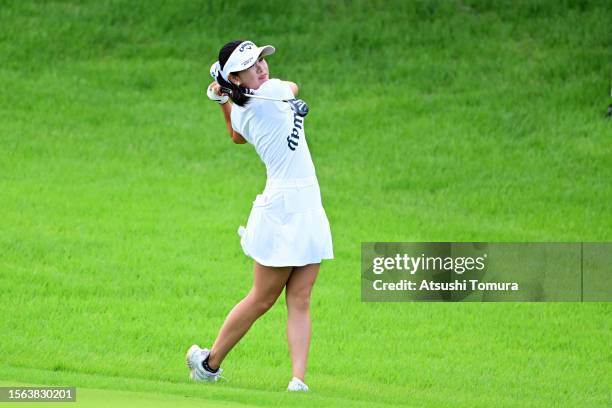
{"x": 276, "y": 132}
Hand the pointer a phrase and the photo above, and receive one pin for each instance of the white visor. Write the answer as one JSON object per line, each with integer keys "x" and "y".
{"x": 244, "y": 56}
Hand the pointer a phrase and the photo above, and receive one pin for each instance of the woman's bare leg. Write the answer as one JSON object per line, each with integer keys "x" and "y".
{"x": 299, "y": 288}
{"x": 268, "y": 284}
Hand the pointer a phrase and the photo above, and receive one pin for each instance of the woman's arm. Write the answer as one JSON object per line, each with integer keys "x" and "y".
{"x": 293, "y": 86}
{"x": 226, "y": 108}
{"x": 227, "y": 115}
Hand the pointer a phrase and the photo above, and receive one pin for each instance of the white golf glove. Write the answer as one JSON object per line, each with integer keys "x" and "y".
{"x": 221, "y": 99}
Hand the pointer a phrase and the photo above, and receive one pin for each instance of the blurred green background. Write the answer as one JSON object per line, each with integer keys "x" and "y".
{"x": 121, "y": 192}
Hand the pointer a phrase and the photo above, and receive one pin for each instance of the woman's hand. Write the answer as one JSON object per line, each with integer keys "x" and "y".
{"x": 214, "y": 93}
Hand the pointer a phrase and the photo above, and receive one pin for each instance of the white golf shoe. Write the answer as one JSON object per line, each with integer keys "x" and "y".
{"x": 195, "y": 356}
{"x": 297, "y": 385}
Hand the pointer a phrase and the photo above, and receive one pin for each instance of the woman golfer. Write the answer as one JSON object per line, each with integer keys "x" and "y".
{"x": 287, "y": 233}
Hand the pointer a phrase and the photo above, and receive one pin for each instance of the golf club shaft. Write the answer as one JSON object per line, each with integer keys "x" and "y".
{"x": 265, "y": 97}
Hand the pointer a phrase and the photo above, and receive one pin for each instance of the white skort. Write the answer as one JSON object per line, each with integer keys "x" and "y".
{"x": 288, "y": 225}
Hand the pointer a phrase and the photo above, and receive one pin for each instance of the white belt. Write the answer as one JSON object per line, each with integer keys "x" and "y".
{"x": 291, "y": 183}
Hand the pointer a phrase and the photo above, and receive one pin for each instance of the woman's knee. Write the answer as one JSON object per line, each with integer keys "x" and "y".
{"x": 298, "y": 300}
{"x": 262, "y": 303}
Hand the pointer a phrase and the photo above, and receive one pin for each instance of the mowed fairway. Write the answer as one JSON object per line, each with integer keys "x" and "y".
{"x": 121, "y": 193}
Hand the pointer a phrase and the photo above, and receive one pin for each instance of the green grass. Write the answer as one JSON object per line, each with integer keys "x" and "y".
{"x": 96, "y": 398}
{"x": 120, "y": 194}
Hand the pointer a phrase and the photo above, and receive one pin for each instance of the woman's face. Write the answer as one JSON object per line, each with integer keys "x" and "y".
{"x": 254, "y": 76}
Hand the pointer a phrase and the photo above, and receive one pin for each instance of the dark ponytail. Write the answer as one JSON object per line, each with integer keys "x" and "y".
{"x": 235, "y": 92}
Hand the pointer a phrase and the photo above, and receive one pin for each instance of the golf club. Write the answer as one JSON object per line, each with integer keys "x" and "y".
{"x": 297, "y": 105}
